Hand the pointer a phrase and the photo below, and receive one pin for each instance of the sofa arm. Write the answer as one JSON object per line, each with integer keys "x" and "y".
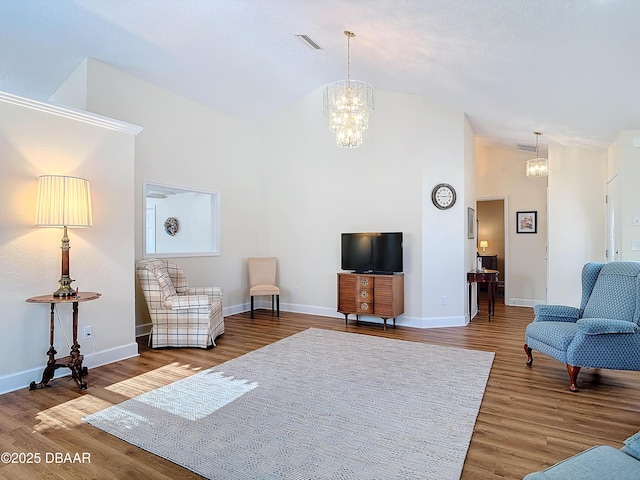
{"x": 599, "y": 326}
{"x": 186, "y": 302}
{"x": 556, "y": 313}
{"x": 215, "y": 293}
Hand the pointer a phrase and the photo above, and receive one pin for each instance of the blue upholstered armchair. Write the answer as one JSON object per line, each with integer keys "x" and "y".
{"x": 603, "y": 333}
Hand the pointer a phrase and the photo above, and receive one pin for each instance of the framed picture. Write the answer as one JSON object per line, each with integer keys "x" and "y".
{"x": 471, "y": 223}
{"x": 527, "y": 222}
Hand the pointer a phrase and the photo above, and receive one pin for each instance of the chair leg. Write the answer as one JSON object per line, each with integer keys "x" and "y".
{"x": 278, "y": 304}
{"x": 252, "y": 306}
{"x": 527, "y": 350}
{"x": 272, "y": 309}
{"x": 573, "y": 376}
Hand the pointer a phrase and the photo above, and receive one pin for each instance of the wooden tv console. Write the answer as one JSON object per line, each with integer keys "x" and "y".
{"x": 371, "y": 294}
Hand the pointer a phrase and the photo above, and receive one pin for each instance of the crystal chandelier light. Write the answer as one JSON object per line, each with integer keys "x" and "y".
{"x": 348, "y": 104}
{"x": 537, "y": 167}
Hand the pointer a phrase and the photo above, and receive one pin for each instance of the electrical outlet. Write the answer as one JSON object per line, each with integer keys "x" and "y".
{"x": 444, "y": 300}
{"x": 88, "y": 332}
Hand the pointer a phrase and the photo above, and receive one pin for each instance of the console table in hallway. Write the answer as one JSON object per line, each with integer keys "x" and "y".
{"x": 490, "y": 277}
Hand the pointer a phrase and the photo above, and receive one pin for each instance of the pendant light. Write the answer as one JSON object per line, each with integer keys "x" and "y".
{"x": 348, "y": 104}
{"x": 537, "y": 167}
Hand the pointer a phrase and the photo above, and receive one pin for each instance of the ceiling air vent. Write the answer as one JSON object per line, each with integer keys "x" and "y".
{"x": 526, "y": 148}
{"x": 310, "y": 43}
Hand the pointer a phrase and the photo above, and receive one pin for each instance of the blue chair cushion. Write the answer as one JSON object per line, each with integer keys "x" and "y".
{"x": 557, "y": 335}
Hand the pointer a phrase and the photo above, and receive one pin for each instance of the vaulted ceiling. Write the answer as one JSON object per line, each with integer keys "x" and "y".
{"x": 568, "y": 68}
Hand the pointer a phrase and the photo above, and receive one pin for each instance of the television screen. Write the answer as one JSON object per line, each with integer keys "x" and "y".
{"x": 372, "y": 252}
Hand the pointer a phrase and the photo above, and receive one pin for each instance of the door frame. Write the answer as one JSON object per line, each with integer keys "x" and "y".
{"x": 505, "y": 219}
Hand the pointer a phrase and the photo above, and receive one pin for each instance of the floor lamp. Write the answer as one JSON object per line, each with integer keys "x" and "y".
{"x": 63, "y": 202}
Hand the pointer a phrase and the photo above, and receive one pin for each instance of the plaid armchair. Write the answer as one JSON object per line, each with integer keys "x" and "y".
{"x": 603, "y": 333}
{"x": 181, "y": 316}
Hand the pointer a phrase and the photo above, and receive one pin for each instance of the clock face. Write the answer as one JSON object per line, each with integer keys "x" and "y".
{"x": 443, "y": 196}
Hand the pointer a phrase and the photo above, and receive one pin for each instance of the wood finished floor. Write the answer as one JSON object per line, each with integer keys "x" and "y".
{"x": 528, "y": 418}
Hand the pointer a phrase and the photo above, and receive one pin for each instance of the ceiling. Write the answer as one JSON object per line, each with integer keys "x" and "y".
{"x": 568, "y": 68}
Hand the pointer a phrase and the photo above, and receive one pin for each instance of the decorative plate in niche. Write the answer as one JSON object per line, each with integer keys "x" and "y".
{"x": 171, "y": 226}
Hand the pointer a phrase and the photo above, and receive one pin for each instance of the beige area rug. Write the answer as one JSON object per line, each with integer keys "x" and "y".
{"x": 317, "y": 405}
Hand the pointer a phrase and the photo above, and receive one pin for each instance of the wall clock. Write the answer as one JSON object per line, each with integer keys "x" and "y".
{"x": 443, "y": 196}
{"x": 171, "y": 226}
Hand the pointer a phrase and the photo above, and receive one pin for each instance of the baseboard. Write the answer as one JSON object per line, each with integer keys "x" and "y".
{"x": 523, "y": 302}
{"x": 402, "y": 320}
{"x": 19, "y": 380}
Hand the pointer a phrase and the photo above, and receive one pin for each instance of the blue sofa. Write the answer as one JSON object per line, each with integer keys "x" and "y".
{"x": 597, "y": 463}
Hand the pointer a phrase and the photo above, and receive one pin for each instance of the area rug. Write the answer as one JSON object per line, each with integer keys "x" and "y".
{"x": 317, "y": 405}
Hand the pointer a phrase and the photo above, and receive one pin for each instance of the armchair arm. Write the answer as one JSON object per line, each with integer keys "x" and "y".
{"x": 186, "y": 302}
{"x": 599, "y": 326}
{"x": 214, "y": 293}
{"x": 556, "y": 313}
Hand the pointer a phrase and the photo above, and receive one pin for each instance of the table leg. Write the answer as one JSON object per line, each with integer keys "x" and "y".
{"x": 493, "y": 298}
{"x": 76, "y": 359}
{"x": 469, "y": 300}
{"x": 490, "y": 298}
{"x": 51, "y": 367}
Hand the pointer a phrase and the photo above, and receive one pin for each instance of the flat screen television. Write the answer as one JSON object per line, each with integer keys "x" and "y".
{"x": 372, "y": 252}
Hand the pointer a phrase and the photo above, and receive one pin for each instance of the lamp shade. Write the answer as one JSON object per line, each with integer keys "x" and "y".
{"x": 63, "y": 202}
{"x": 484, "y": 244}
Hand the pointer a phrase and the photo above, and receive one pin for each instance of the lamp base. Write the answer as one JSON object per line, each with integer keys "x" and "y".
{"x": 65, "y": 289}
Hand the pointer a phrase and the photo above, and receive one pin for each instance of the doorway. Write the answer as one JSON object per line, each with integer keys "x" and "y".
{"x": 492, "y": 231}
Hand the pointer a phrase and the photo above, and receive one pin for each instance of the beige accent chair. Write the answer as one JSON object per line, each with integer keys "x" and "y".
{"x": 181, "y": 316}
{"x": 262, "y": 280}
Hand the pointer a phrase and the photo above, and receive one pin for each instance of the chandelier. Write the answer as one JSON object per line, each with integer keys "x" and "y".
{"x": 537, "y": 167}
{"x": 348, "y": 104}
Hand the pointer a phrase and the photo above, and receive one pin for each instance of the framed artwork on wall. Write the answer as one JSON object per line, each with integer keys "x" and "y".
{"x": 471, "y": 223}
{"x": 527, "y": 222}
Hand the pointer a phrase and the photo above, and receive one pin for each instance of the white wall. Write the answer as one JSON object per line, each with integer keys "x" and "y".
{"x": 287, "y": 190}
{"x": 194, "y": 215}
{"x": 576, "y": 218}
{"x": 34, "y": 143}
{"x": 314, "y": 191}
{"x": 624, "y": 160}
{"x": 501, "y": 173}
{"x": 187, "y": 144}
